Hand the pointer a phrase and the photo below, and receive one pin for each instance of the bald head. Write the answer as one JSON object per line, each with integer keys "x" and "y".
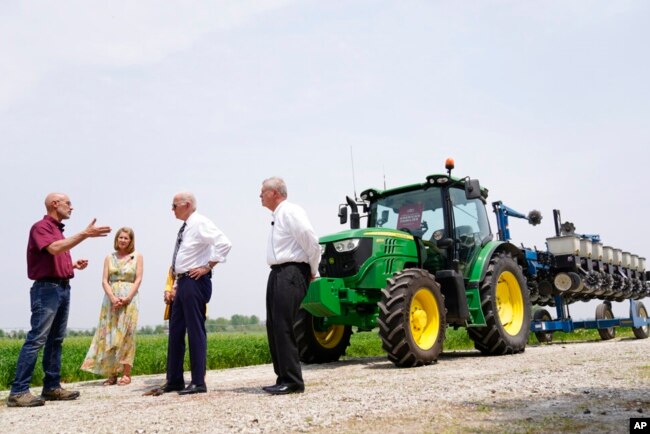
{"x": 51, "y": 198}
{"x": 58, "y": 206}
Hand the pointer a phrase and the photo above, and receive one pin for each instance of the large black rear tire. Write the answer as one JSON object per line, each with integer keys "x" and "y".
{"x": 319, "y": 344}
{"x": 412, "y": 318}
{"x": 506, "y": 306}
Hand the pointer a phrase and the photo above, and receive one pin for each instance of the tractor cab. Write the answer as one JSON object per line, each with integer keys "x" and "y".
{"x": 446, "y": 216}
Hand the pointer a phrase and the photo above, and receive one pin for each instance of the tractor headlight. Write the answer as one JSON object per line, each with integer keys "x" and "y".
{"x": 322, "y": 249}
{"x": 346, "y": 245}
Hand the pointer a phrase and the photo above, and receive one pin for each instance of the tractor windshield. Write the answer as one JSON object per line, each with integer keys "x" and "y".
{"x": 417, "y": 212}
{"x": 420, "y": 213}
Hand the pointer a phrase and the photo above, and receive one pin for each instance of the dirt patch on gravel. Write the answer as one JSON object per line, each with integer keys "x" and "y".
{"x": 578, "y": 387}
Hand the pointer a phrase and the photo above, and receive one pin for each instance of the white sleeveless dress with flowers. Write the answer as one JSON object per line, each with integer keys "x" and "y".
{"x": 114, "y": 342}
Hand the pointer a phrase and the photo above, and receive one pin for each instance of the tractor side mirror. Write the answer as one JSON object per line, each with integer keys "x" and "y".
{"x": 343, "y": 214}
{"x": 472, "y": 189}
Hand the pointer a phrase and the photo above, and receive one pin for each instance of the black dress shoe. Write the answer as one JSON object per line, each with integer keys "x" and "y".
{"x": 193, "y": 388}
{"x": 266, "y": 388}
{"x": 285, "y": 389}
{"x": 166, "y": 388}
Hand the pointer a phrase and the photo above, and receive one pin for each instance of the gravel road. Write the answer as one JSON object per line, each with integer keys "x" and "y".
{"x": 575, "y": 387}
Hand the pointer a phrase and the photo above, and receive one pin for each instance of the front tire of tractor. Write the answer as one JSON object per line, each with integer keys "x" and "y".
{"x": 604, "y": 311}
{"x": 319, "y": 344}
{"x": 644, "y": 331}
{"x": 412, "y": 318}
{"x": 506, "y": 305}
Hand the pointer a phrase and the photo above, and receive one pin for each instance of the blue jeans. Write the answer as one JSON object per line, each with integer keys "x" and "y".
{"x": 50, "y": 306}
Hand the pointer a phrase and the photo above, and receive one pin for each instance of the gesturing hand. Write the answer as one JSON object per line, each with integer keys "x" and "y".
{"x": 80, "y": 264}
{"x": 93, "y": 231}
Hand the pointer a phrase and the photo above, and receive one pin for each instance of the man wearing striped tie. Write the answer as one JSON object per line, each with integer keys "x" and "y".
{"x": 199, "y": 247}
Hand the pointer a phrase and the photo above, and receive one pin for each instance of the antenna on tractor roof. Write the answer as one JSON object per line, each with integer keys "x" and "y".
{"x": 354, "y": 183}
{"x": 383, "y": 168}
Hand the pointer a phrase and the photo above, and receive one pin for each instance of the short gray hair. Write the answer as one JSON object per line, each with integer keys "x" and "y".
{"x": 189, "y": 198}
{"x": 277, "y": 184}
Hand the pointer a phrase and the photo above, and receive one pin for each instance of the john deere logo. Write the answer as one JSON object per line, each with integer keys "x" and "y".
{"x": 331, "y": 261}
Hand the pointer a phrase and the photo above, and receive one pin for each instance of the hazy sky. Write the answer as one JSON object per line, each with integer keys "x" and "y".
{"x": 122, "y": 104}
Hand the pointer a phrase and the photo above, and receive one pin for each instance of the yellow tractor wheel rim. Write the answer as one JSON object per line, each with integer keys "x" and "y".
{"x": 510, "y": 303}
{"x": 424, "y": 318}
{"x": 330, "y": 337}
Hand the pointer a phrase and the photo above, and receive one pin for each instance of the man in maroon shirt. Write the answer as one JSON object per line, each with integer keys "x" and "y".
{"x": 51, "y": 267}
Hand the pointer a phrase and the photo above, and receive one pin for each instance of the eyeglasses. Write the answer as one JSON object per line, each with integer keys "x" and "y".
{"x": 176, "y": 205}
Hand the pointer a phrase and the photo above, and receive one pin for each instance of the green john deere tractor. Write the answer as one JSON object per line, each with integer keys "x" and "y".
{"x": 425, "y": 261}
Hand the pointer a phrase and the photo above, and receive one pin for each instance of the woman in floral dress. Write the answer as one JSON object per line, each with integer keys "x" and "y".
{"x": 113, "y": 347}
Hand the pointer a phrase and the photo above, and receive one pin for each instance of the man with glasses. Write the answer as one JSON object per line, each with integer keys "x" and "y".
{"x": 293, "y": 253}
{"x": 199, "y": 247}
{"x": 50, "y": 266}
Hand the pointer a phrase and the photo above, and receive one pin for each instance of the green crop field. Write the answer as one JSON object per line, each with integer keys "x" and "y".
{"x": 225, "y": 350}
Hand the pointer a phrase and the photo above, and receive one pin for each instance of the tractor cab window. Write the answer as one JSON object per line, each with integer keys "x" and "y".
{"x": 417, "y": 212}
{"x": 471, "y": 224}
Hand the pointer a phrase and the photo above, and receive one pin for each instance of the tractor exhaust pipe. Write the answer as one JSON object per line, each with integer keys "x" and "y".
{"x": 355, "y": 222}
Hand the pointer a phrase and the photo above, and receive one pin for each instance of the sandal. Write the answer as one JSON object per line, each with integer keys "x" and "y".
{"x": 125, "y": 380}
{"x": 110, "y": 380}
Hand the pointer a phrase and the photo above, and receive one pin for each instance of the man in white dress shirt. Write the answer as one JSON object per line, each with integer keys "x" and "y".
{"x": 293, "y": 253}
{"x": 200, "y": 246}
